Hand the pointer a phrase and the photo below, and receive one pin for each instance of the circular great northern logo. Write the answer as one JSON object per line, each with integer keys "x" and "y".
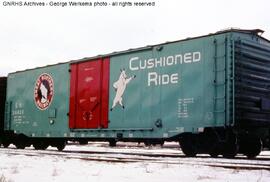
{"x": 43, "y": 91}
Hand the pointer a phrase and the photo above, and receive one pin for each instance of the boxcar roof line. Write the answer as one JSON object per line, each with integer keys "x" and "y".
{"x": 257, "y": 32}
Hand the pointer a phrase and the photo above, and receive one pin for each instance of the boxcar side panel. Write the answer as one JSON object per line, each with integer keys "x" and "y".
{"x": 39, "y": 101}
{"x": 169, "y": 88}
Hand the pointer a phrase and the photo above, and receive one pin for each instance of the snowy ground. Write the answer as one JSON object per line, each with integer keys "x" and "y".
{"x": 50, "y": 165}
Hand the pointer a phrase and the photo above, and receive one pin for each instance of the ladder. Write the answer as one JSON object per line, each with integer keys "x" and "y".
{"x": 220, "y": 81}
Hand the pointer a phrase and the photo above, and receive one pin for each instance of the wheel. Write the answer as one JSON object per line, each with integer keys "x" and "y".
{"x": 20, "y": 145}
{"x": 61, "y": 145}
{"x": 20, "y": 141}
{"x": 230, "y": 150}
{"x": 112, "y": 143}
{"x": 251, "y": 147}
{"x": 187, "y": 145}
{"x": 214, "y": 150}
{"x": 44, "y": 146}
{"x": 231, "y": 146}
{"x": 40, "y": 145}
{"x": 6, "y": 144}
{"x": 83, "y": 142}
{"x": 210, "y": 142}
{"x": 214, "y": 153}
{"x": 147, "y": 143}
{"x": 36, "y": 146}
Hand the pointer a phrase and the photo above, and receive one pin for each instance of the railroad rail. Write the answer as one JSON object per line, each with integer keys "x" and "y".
{"x": 113, "y": 155}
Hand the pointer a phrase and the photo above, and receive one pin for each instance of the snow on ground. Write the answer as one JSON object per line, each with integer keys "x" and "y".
{"x": 20, "y": 167}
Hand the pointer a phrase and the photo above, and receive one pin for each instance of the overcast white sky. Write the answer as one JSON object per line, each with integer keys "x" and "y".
{"x": 37, "y": 36}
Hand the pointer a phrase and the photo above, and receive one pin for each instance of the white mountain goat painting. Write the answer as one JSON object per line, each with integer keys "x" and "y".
{"x": 44, "y": 93}
{"x": 120, "y": 87}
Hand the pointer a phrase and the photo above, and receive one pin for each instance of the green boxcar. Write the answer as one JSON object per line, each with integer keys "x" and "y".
{"x": 211, "y": 93}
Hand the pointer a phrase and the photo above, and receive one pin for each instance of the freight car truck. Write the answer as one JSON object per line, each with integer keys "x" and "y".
{"x": 210, "y": 93}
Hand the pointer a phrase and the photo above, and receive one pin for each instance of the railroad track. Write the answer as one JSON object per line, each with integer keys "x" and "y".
{"x": 114, "y": 156}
